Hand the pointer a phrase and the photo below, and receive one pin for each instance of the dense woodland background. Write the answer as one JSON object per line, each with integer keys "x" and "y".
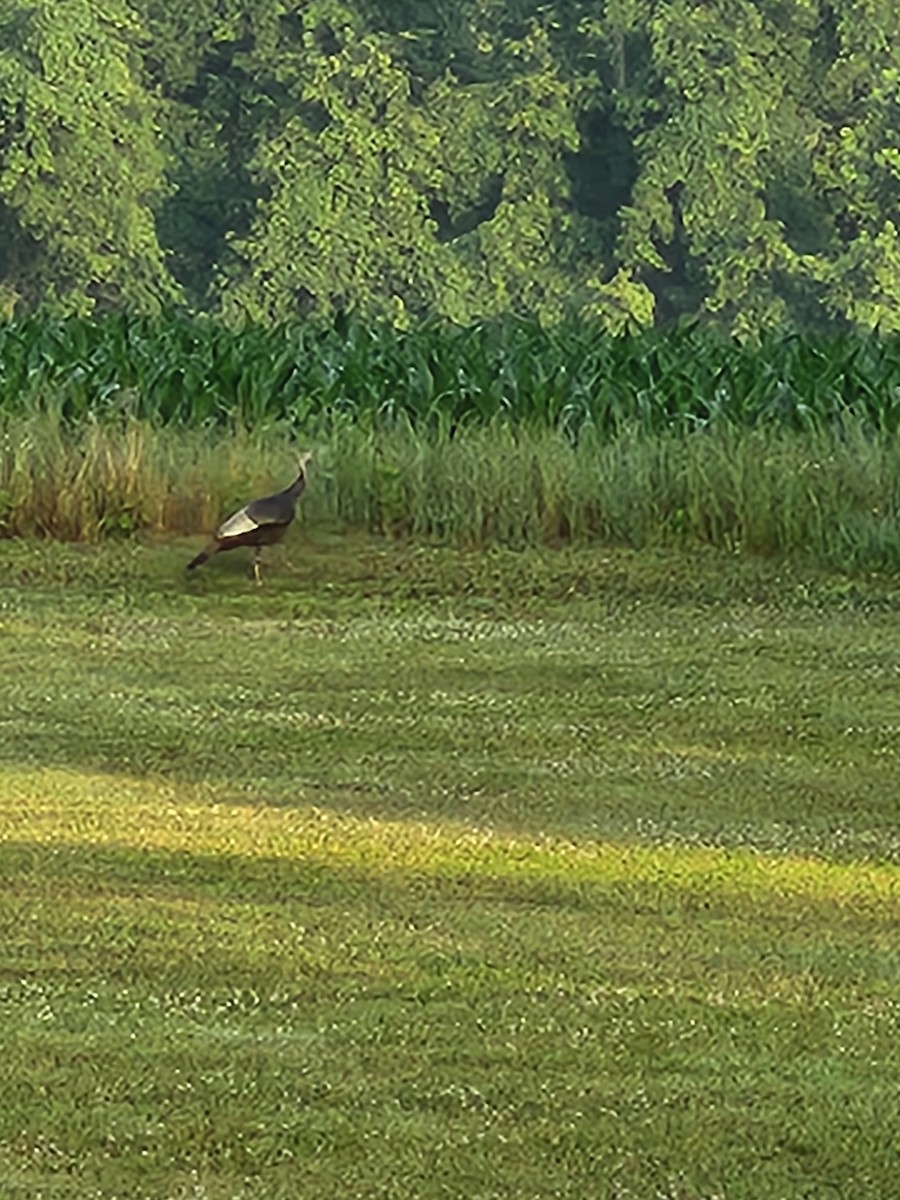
{"x": 630, "y": 160}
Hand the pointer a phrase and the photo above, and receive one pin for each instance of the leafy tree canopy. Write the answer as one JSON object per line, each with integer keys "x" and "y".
{"x": 82, "y": 164}
{"x": 736, "y": 161}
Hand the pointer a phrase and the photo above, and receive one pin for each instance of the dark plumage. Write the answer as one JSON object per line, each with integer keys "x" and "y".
{"x": 257, "y": 524}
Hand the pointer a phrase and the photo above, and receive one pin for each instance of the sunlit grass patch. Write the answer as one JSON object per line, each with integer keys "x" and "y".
{"x": 53, "y": 807}
{"x": 72, "y": 834}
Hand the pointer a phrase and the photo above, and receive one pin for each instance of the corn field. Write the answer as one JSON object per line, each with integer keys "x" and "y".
{"x": 194, "y": 371}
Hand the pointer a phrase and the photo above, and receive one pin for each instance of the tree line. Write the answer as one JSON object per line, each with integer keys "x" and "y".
{"x": 631, "y": 161}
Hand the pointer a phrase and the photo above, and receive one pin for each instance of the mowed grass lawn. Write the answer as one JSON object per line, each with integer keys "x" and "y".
{"x": 421, "y": 873}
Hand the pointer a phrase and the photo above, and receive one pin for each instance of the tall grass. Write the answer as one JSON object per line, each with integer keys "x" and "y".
{"x": 498, "y": 433}
{"x": 830, "y": 495}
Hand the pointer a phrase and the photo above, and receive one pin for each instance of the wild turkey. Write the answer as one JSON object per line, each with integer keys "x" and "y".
{"x": 257, "y": 524}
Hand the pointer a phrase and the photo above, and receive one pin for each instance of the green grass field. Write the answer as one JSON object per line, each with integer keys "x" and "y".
{"x": 425, "y": 873}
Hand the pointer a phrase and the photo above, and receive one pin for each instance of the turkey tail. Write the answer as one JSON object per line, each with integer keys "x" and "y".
{"x": 205, "y": 553}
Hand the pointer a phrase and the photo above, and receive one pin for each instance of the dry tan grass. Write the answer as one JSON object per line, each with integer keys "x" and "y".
{"x": 831, "y": 497}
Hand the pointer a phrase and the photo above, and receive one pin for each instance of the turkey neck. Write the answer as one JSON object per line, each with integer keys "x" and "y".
{"x": 296, "y": 488}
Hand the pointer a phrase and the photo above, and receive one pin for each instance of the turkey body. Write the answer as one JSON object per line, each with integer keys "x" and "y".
{"x": 260, "y": 523}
